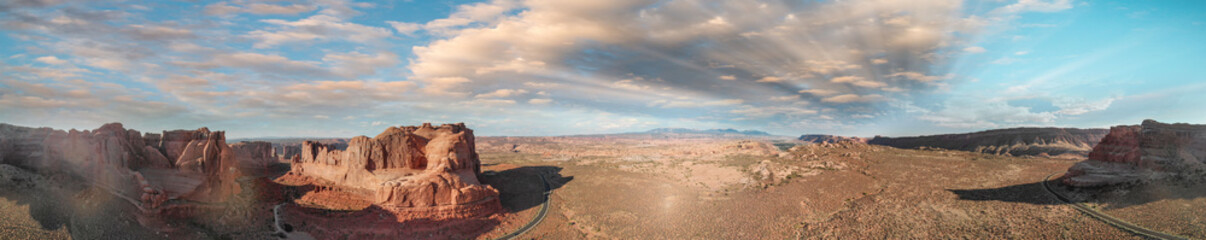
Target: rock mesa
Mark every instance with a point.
(1149, 151)
(1054, 142)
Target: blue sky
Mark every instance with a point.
(546, 67)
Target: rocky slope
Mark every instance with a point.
(414, 172)
(1055, 142)
(1149, 151)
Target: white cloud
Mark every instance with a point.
(1037, 6)
(975, 49)
(540, 101)
(695, 104)
(770, 79)
(1078, 107)
(261, 8)
(853, 98)
(405, 28)
(858, 81)
(502, 93)
(819, 92)
(52, 60)
(316, 28)
(220, 8)
(920, 77)
(728, 77)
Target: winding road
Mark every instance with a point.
(1119, 223)
(544, 210)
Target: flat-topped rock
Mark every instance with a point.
(1143, 152)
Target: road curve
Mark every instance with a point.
(1118, 223)
(544, 210)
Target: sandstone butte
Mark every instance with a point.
(195, 167)
(1144, 152)
(425, 172)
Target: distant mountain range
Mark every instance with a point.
(728, 131)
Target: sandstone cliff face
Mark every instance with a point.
(1064, 142)
(431, 171)
(194, 165)
(1138, 153)
(819, 138)
(256, 154)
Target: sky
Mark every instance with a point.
(340, 68)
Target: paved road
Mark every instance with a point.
(544, 210)
(1119, 223)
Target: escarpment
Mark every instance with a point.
(1149, 151)
(1055, 142)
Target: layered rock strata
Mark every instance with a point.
(255, 154)
(1138, 153)
(1063, 142)
(415, 172)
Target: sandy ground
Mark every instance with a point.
(657, 188)
(838, 192)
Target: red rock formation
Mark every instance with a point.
(148, 170)
(1138, 153)
(1120, 146)
(421, 172)
(254, 155)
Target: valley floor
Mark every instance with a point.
(839, 191)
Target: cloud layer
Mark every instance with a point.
(571, 66)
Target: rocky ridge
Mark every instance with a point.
(1043, 142)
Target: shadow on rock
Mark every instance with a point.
(1111, 197)
(521, 188)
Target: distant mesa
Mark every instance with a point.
(1043, 142)
(821, 138)
(728, 131)
(1149, 151)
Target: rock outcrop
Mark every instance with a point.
(420, 172)
(1149, 151)
(147, 170)
(821, 138)
(1053, 142)
(255, 154)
